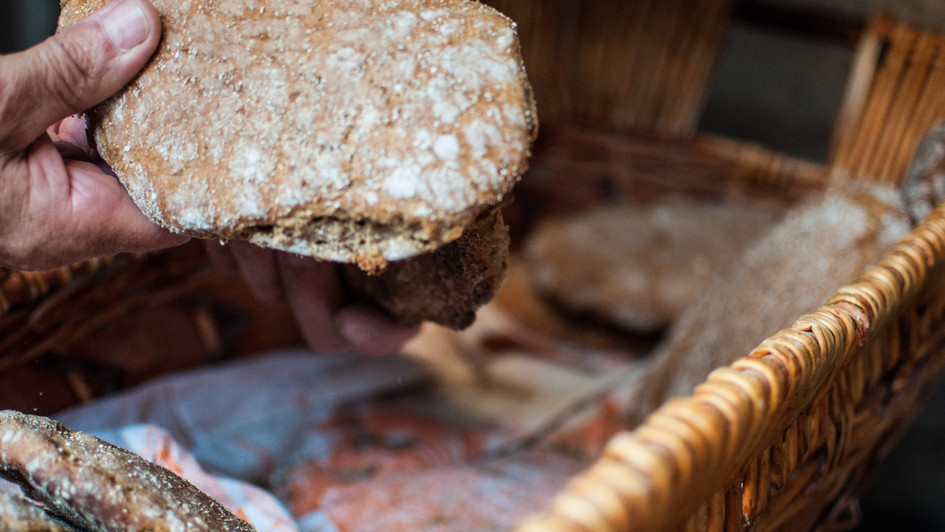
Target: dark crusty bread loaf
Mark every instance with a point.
(349, 131)
(790, 271)
(638, 266)
(444, 286)
(96, 486)
(20, 514)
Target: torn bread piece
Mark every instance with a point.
(444, 286)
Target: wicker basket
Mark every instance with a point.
(782, 439)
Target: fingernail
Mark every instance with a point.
(125, 25)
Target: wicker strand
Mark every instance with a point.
(876, 112)
(877, 135)
(20, 287)
(915, 57)
(862, 73)
(927, 106)
(711, 29)
(54, 317)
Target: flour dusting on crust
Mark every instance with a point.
(360, 131)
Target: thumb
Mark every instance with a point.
(74, 70)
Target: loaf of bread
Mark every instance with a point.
(355, 132)
(444, 286)
(96, 486)
(19, 513)
(360, 132)
(790, 271)
(638, 266)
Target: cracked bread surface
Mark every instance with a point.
(346, 130)
(19, 513)
(97, 486)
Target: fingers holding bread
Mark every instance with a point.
(359, 133)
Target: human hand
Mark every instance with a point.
(313, 290)
(57, 205)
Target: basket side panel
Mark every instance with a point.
(642, 65)
(72, 334)
(894, 96)
(854, 423)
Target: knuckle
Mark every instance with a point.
(70, 67)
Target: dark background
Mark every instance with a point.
(26, 22)
(781, 91)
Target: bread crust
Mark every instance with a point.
(791, 270)
(18, 513)
(640, 265)
(444, 286)
(349, 131)
(97, 486)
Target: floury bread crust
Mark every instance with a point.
(791, 270)
(347, 130)
(19, 513)
(641, 265)
(96, 486)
